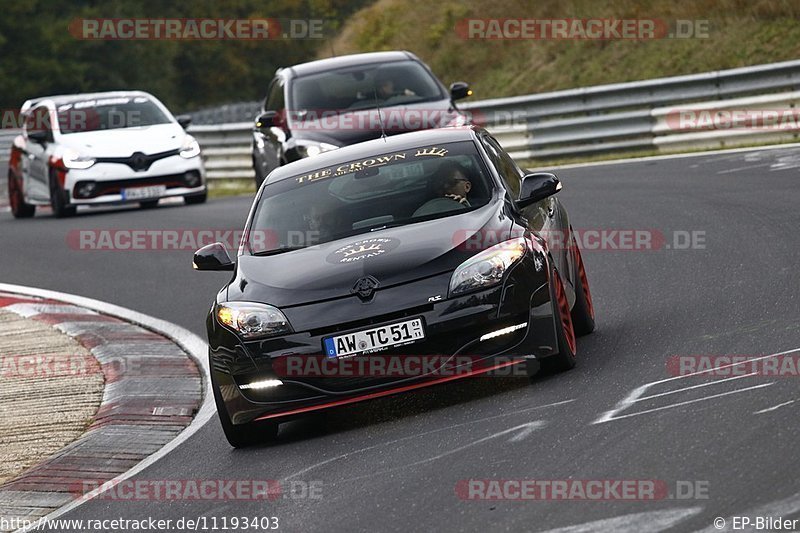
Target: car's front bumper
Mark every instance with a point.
(453, 329)
(103, 183)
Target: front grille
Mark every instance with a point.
(138, 161)
(378, 319)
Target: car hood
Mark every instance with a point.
(123, 142)
(346, 128)
(392, 256)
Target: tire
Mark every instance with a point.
(148, 204)
(242, 435)
(16, 198)
(58, 199)
(583, 310)
(196, 198)
(565, 332)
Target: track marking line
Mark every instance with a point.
(193, 345)
(780, 508)
(417, 435)
(524, 430)
(774, 407)
(634, 523)
(659, 395)
(670, 406)
(636, 394)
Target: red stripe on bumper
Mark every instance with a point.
(388, 392)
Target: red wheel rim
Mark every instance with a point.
(563, 311)
(587, 294)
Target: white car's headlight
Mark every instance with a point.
(253, 320)
(310, 148)
(73, 159)
(488, 267)
(190, 148)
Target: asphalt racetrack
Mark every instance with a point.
(723, 281)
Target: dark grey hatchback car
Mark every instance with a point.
(322, 105)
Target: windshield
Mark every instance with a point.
(390, 84)
(367, 195)
(109, 113)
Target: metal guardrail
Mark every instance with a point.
(603, 119)
(625, 116)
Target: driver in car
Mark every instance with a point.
(450, 187)
(386, 88)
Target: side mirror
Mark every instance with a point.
(212, 257)
(536, 187)
(39, 136)
(184, 120)
(459, 90)
(266, 120)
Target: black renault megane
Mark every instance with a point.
(388, 266)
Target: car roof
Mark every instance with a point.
(352, 60)
(61, 99)
(403, 141)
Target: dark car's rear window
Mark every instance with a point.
(352, 88)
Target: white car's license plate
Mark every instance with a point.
(139, 193)
(371, 340)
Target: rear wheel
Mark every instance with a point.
(16, 198)
(58, 199)
(565, 333)
(242, 435)
(583, 310)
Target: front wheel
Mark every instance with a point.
(565, 332)
(242, 435)
(58, 199)
(16, 198)
(583, 310)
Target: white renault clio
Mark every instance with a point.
(102, 148)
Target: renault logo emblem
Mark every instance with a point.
(365, 287)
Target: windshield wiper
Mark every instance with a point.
(276, 251)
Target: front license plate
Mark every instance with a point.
(371, 340)
(139, 193)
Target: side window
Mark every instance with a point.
(38, 119)
(506, 167)
(275, 100)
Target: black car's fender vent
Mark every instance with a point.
(377, 319)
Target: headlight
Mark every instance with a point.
(190, 148)
(310, 148)
(73, 159)
(252, 320)
(488, 267)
